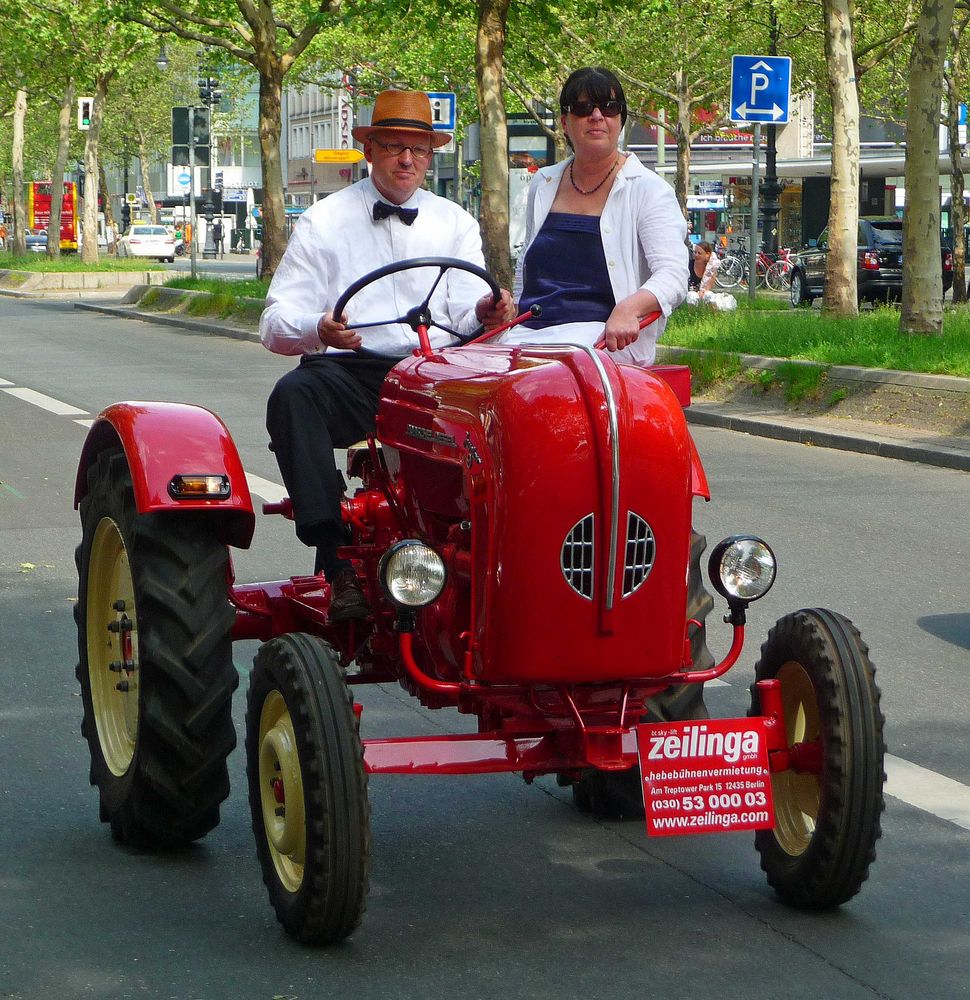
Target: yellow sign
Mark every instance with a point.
(337, 155)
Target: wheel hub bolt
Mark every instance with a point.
(119, 605)
(122, 686)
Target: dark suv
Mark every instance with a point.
(880, 274)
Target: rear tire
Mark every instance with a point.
(155, 669)
(619, 794)
(826, 825)
(308, 789)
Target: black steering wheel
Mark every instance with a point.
(420, 315)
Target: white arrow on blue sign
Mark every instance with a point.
(443, 111)
(760, 89)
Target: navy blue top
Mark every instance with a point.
(565, 272)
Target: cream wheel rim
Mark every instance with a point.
(281, 791)
(797, 796)
(112, 647)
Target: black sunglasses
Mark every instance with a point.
(583, 109)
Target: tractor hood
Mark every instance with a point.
(573, 475)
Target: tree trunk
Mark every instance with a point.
(489, 68)
(89, 231)
(958, 215)
(922, 306)
(841, 287)
(270, 124)
(682, 177)
(146, 183)
(57, 176)
(17, 155)
(110, 225)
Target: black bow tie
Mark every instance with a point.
(383, 211)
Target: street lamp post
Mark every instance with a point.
(209, 93)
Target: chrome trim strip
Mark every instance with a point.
(615, 451)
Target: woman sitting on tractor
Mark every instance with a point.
(605, 238)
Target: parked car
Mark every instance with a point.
(37, 241)
(880, 270)
(147, 241)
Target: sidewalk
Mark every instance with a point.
(908, 444)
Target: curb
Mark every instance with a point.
(942, 456)
(210, 329)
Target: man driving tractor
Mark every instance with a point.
(330, 400)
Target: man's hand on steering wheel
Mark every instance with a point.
(337, 335)
(492, 314)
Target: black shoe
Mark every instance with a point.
(347, 600)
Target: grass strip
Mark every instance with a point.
(872, 340)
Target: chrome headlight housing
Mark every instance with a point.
(412, 573)
(742, 568)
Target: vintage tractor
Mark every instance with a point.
(524, 535)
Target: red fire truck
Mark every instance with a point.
(39, 211)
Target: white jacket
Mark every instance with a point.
(643, 232)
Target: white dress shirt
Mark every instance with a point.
(643, 232)
(336, 241)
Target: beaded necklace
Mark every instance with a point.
(579, 190)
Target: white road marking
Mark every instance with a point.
(3, 381)
(46, 402)
(86, 423)
(927, 790)
(270, 492)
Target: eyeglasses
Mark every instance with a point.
(583, 109)
(418, 149)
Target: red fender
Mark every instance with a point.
(162, 440)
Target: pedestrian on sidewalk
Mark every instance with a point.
(219, 238)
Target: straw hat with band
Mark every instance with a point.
(405, 111)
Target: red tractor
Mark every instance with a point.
(524, 535)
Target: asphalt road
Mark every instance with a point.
(482, 887)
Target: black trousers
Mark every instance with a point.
(329, 401)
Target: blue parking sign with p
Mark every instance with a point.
(760, 89)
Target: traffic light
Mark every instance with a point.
(200, 136)
(125, 216)
(85, 106)
(200, 127)
(209, 89)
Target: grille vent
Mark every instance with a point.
(577, 557)
(578, 552)
(640, 552)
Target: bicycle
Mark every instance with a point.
(734, 266)
(779, 274)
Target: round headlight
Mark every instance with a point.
(412, 574)
(742, 568)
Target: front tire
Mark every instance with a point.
(826, 825)
(797, 292)
(308, 789)
(155, 668)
